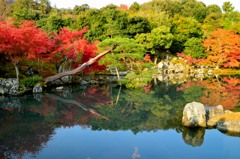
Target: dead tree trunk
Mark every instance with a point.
(80, 68)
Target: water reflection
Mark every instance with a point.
(194, 136)
(135, 154)
(27, 123)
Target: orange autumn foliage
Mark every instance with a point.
(223, 49)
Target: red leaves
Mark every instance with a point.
(147, 58)
(73, 46)
(70, 44)
(22, 41)
(27, 41)
(189, 59)
(147, 88)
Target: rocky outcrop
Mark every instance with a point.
(211, 113)
(197, 115)
(37, 88)
(229, 126)
(9, 86)
(194, 115)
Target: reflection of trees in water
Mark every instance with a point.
(223, 91)
(28, 128)
(136, 110)
(22, 133)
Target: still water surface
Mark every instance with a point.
(113, 122)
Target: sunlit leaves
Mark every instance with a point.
(223, 48)
(183, 29)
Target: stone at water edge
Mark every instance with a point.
(212, 112)
(37, 88)
(229, 126)
(194, 115)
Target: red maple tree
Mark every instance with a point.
(74, 48)
(22, 41)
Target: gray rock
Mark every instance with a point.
(37, 88)
(229, 126)
(83, 82)
(194, 115)
(9, 86)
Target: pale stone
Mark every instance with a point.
(194, 115)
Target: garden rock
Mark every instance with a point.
(229, 126)
(37, 88)
(9, 86)
(194, 115)
(212, 112)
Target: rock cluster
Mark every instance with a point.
(9, 86)
(197, 115)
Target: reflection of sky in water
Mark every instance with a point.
(79, 143)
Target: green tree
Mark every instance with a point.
(23, 10)
(134, 7)
(213, 9)
(79, 9)
(5, 8)
(45, 7)
(227, 7)
(193, 8)
(194, 48)
(115, 22)
(183, 29)
(54, 22)
(171, 7)
(212, 22)
(157, 42)
(230, 19)
(137, 25)
(126, 56)
(104, 23)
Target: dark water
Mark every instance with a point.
(113, 122)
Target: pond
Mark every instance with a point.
(111, 121)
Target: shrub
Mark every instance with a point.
(31, 81)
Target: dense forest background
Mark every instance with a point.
(35, 34)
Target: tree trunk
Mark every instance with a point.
(17, 71)
(155, 60)
(80, 68)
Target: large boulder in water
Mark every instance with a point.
(194, 115)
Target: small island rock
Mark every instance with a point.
(194, 115)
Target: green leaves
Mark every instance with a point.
(194, 48)
(183, 29)
(126, 55)
(159, 40)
